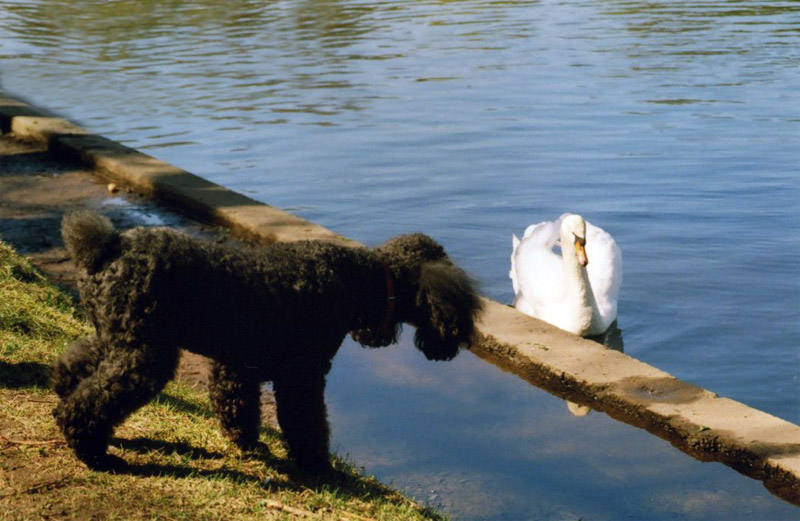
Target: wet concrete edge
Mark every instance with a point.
(696, 421)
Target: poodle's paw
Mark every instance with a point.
(243, 439)
(317, 466)
(255, 448)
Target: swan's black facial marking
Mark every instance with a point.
(579, 240)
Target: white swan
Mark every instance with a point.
(575, 291)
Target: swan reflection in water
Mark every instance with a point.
(612, 339)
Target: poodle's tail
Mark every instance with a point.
(91, 239)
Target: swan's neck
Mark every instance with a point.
(579, 289)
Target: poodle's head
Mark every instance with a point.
(430, 293)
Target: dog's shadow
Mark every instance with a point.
(187, 452)
(179, 404)
(144, 445)
(290, 476)
(348, 485)
(148, 446)
(23, 375)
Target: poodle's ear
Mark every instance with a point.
(447, 305)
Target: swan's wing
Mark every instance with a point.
(541, 233)
(604, 269)
(536, 271)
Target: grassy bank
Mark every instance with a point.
(180, 465)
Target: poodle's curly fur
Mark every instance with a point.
(278, 315)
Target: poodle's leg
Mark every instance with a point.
(124, 380)
(235, 394)
(300, 399)
(78, 362)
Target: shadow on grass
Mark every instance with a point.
(23, 375)
(181, 405)
(147, 445)
(296, 480)
(343, 483)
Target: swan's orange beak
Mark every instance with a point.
(580, 251)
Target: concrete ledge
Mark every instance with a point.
(696, 421)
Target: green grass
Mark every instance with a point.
(180, 466)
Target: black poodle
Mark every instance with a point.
(277, 315)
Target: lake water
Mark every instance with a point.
(674, 125)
